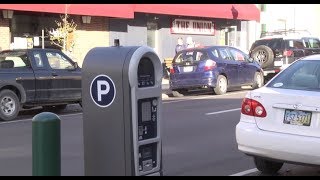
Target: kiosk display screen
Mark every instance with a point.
(146, 111)
(145, 73)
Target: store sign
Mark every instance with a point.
(186, 26)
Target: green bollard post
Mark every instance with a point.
(46, 145)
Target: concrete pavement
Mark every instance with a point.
(198, 139)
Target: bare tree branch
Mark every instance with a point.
(59, 36)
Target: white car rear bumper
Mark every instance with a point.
(287, 147)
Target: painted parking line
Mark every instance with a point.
(198, 98)
(25, 120)
(220, 112)
(246, 172)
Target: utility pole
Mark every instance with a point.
(294, 17)
(65, 27)
(42, 36)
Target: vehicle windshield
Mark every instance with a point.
(13, 59)
(302, 75)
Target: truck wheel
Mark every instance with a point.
(9, 105)
(263, 55)
(221, 86)
(266, 166)
(258, 80)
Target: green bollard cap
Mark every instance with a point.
(46, 117)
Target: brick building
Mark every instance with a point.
(155, 25)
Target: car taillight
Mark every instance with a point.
(287, 52)
(252, 107)
(172, 70)
(277, 70)
(210, 64)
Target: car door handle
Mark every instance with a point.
(54, 74)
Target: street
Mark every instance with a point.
(118, 60)
(198, 140)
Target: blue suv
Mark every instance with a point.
(215, 67)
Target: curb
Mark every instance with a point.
(165, 89)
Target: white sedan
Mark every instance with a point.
(280, 122)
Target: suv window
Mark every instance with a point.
(311, 42)
(294, 43)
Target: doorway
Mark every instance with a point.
(231, 36)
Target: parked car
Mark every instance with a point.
(37, 77)
(280, 121)
(214, 67)
(278, 49)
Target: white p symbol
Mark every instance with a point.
(99, 88)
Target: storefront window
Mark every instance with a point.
(27, 26)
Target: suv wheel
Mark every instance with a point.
(263, 55)
(267, 166)
(9, 105)
(221, 86)
(258, 80)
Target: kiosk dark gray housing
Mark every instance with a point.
(121, 89)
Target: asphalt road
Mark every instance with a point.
(198, 140)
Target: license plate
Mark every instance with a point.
(278, 63)
(188, 69)
(295, 117)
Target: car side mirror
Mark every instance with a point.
(73, 67)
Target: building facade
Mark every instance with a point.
(157, 26)
(156, 31)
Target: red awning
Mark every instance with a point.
(108, 10)
(225, 11)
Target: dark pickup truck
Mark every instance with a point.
(37, 77)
